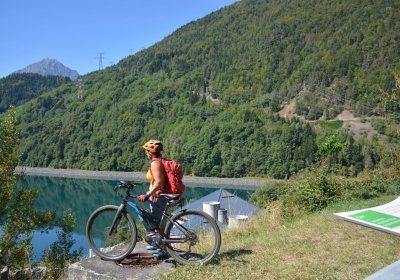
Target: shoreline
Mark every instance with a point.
(250, 183)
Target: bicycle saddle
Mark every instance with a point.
(170, 196)
(173, 199)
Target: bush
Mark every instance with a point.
(314, 190)
(366, 188)
(270, 192)
(374, 183)
(308, 192)
(379, 125)
(313, 193)
(331, 124)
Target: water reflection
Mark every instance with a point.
(83, 196)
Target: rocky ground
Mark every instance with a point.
(356, 125)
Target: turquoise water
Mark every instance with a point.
(83, 196)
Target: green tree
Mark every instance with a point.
(57, 257)
(17, 212)
(18, 215)
(8, 160)
(329, 149)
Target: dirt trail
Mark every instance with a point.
(356, 125)
(288, 111)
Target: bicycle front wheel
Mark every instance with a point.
(111, 235)
(194, 237)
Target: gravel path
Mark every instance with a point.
(251, 183)
(356, 125)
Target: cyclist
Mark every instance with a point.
(158, 181)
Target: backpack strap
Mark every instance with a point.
(163, 188)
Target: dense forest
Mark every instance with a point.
(19, 88)
(212, 89)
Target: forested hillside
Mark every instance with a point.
(210, 91)
(16, 89)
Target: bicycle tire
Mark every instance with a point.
(205, 229)
(120, 243)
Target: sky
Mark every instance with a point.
(75, 32)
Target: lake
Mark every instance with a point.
(83, 196)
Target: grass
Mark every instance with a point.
(331, 124)
(315, 246)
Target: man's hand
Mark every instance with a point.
(143, 197)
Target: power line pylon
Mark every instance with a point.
(100, 58)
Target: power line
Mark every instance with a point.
(100, 58)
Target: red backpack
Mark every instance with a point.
(174, 171)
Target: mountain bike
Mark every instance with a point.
(189, 236)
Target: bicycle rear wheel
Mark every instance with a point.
(111, 245)
(197, 237)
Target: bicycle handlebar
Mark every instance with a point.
(127, 185)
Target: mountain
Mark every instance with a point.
(18, 88)
(50, 67)
(212, 90)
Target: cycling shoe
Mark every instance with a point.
(160, 255)
(151, 247)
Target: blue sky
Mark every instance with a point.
(75, 31)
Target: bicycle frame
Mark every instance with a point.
(146, 220)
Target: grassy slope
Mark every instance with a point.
(316, 246)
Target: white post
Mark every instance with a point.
(211, 208)
(223, 216)
(236, 220)
(91, 254)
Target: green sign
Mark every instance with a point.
(377, 218)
